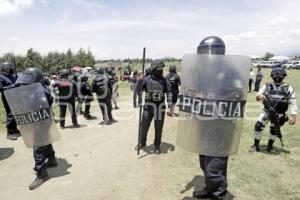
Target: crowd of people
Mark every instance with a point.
(151, 90)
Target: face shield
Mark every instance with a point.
(26, 78)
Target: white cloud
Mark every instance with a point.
(8, 7)
(45, 2)
(278, 21)
(14, 38)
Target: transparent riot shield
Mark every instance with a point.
(33, 115)
(212, 103)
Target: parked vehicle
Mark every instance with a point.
(291, 64)
(296, 66)
(262, 64)
(274, 64)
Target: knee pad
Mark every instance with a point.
(259, 126)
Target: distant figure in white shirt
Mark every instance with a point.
(251, 78)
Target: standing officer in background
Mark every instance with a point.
(85, 95)
(103, 88)
(259, 76)
(7, 78)
(67, 93)
(156, 88)
(134, 81)
(113, 78)
(212, 107)
(174, 80)
(280, 96)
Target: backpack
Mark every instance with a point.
(65, 88)
(173, 82)
(100, 85)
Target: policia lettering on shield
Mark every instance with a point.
(212, 104)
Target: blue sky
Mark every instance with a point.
(119, 29)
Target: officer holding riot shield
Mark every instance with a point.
(8, 78)
(280, 96)
(174, 81)
(212, 107)
(156, 89)
(103, 88)
(34, 116)
(67, 93)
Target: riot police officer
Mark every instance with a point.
(156, 89)
(85, 95)
(281, 96)
(113, 78)
(214, 168)
(103, 88)
(44, 156)
(7, 78)
(212, 106)
(174, 81)
(67, 93)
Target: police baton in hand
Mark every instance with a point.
(141, 107)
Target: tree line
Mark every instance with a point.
(52, 62)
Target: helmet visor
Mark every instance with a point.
(26, 78)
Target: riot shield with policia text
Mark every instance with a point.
(33, 114)
(212, 103)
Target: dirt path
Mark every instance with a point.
(99, 162)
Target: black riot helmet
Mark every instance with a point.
(84, 78)
(99, 70)
(64, 73)
(156, 68)
(31, 75)
(278, 74)
(109, 71)
(172, 69)
(211, 45)
(7, 68)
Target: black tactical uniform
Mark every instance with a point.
(86, 95)
(134, 81)
(67, 93)
(113, 78)
(44, 156)
(7, 78)
(156, 87)
(214, 168)
(174, 81)
(103, 88)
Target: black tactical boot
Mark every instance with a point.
(111, 121)
(270, 148)
(201, 194)
(51, 162)
(157, 150)
(88, 117)
(11, 136)
(76, 126)
(17, 133)
(41, 178)
(255, 146)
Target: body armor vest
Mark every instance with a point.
(279, 96)
(155, 90)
